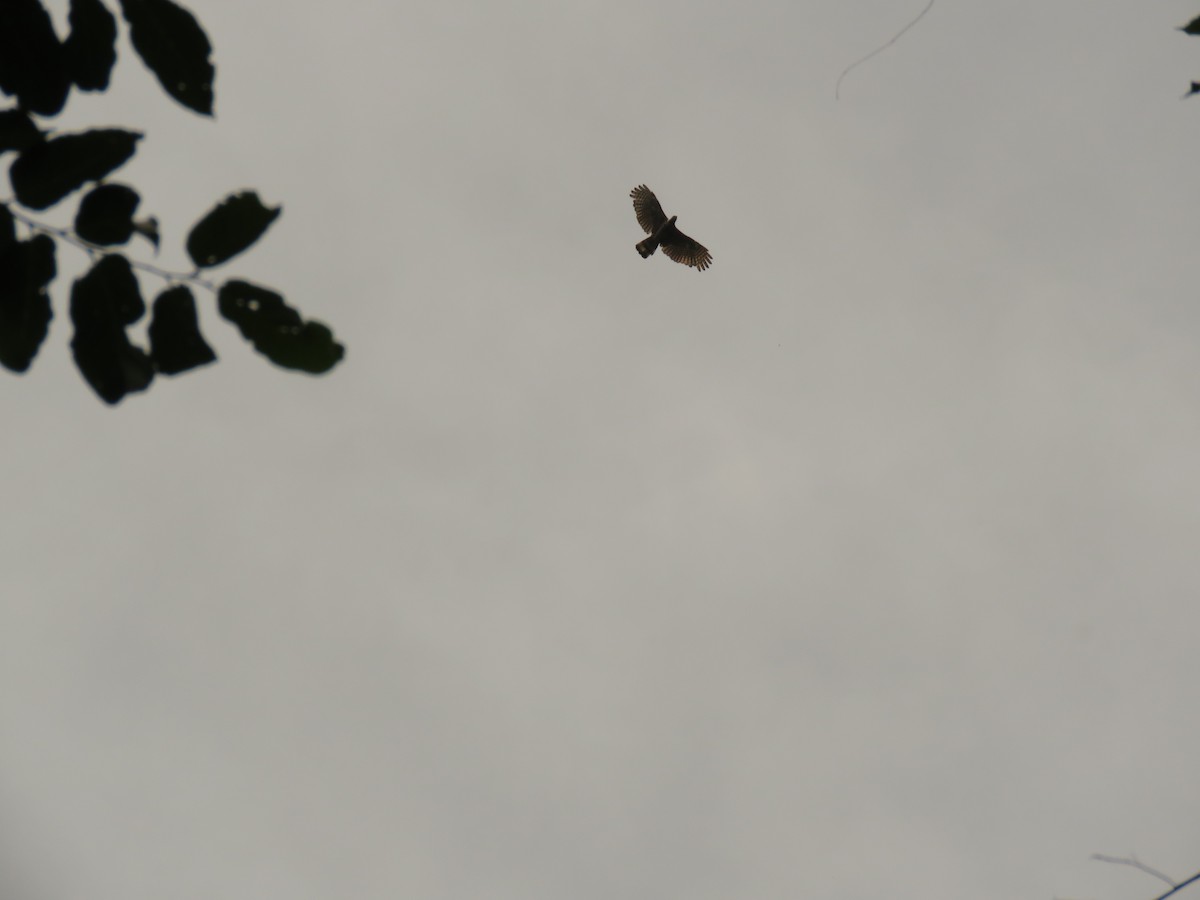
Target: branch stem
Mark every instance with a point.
(94, 249)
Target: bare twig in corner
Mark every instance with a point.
(1178, 887)
(1138, 864)
(1132, 860)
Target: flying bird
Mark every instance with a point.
(663, 233)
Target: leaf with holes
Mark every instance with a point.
(276, 330)
(175, 48)
(48, 171)
(232, 226)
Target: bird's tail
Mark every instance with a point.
(647, 247)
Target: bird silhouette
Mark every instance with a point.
(663, 233)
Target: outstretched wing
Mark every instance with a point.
(645, 206)
(681, 248)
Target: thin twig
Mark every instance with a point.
(1138, 864)
(95, 249)
(1178, 887)
(854, 65)
(1132, 860)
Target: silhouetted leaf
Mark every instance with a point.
(1195, 89)
(17, 130)
(103, 303)
(8, 229)
(91, 48)
(45, 173)
(148, 228)
(26, 270)
(111, 285)
(229, 228)
(176, 344)
(106, 214)
(1192, 27)
(173, 45)
(32, 67)
(276, 330)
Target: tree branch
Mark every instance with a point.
(1178, 887)
(93, 249)
(1132, 860)
(837, 88)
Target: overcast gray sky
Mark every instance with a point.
(862, 564)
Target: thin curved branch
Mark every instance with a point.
(1132, 860)
(1178, 887)
(854, 65)
(1138, 864)
(94, 249)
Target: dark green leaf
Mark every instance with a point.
(276, 330)
(26, 270)
(45, 173)
(17, 131)
(91, 48)
(32, 67)
(174, 47)
(106, 214)
(229, 228)
(1192, 27)
(103, 303)
(176, 344)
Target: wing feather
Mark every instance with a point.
(686, 250)
(646, 207)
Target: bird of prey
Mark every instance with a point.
(663, 233)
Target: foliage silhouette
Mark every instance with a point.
(38, 71)
(1192, 28)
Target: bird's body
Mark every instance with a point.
(663, 233)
